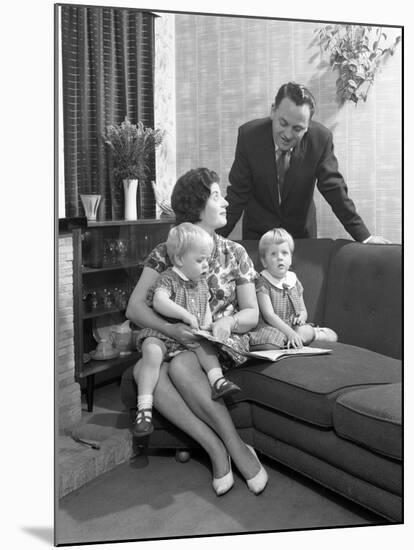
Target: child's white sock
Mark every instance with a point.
(214, 374)
(145, 401)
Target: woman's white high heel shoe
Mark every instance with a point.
(257, 483)
(222, 485)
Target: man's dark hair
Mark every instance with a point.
(191, 193)
(299, 94)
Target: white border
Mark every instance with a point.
(27, 269)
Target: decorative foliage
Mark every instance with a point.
(132, 146)
(356, 51)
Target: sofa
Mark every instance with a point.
(335, 418)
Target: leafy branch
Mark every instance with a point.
(132, 147)
(356, 51)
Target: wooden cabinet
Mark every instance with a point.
(107, 261)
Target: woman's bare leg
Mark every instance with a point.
(170, 404)
(192, 384)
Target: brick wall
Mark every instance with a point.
(68, 407)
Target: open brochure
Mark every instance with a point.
(269, 355)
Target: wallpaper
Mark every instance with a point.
(228, 70)
(164, 103)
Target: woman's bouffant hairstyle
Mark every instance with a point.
(185, 237)
(191, 193)
(275, 236)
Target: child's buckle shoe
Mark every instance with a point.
(143, 425)
(222, 387)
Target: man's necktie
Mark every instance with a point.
(282, 164)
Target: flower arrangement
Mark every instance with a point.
(357, 52)
(132, 146)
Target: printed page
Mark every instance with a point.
(269, 355)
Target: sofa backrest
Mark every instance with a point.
(364, 296)
(311, 261)
(354, 289)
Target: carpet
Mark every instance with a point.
(157, 497)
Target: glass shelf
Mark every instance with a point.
(113, 267)
(94, 367)
(99, 312)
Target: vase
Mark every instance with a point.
(90, 205)
(130, 196)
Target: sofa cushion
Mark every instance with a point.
(311, 261)
(371, 417)
(364, 297)
(307, 387)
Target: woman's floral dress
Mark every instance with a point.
(229, 267)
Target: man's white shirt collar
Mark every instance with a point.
(289, 280)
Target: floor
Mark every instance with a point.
(161, 498)
(155, 497)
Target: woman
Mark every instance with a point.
(183, 394)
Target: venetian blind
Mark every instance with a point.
(107, 75)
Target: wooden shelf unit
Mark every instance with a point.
(92, 272)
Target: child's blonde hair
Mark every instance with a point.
(275, 236)
(185, 237)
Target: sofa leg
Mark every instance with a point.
(182, 455)
(140, 446)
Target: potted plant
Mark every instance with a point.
(132, 146)
(356, 51)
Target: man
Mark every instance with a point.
(278, 160)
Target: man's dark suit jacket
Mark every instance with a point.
(253, 184)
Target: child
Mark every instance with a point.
(180, 293)
(280, 298)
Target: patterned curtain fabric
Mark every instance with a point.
(107, 67)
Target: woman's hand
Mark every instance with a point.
(183, 334)
(294, 340)
(222, 328)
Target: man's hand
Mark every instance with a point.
(376, 239)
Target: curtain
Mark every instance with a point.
(107, 75)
